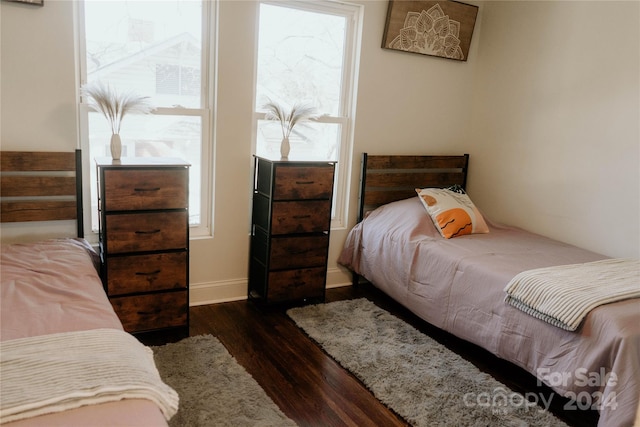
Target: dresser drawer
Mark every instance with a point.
(294, 182)
(301, 217)
(298, 252)
(296, 284)
(145, 273)
(152, 311)
(289, 252)
(151, 231)
(137, 189)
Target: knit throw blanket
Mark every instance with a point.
(54, 373)
(564, 295)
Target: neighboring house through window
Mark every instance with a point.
(159, 49)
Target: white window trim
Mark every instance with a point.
(348, 96)
(207, 112)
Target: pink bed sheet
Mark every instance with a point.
(52, 286)
(458, 285)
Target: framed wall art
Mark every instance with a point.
(435, 28)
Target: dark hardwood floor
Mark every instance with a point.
(310, 387)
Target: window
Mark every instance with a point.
(176, 80)
(307, 54)
(159, 49)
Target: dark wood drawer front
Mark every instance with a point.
(296, 284)
(154, 231)
(152, 311)
(298, 252)
(136, 189)
(301, 217)
(294, 183)
(145, 273)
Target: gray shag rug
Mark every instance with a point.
(418, 378)
(214, 389)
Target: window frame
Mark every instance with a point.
(206, 112)
(348, 93)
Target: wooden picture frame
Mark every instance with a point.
(435, 28)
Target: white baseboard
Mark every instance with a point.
(217, 292)
(337, 277)
(236, 290)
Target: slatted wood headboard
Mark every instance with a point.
(385, 179)
(41, 186)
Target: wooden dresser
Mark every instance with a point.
(144, 242)
(290, 229)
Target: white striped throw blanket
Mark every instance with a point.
(564, 295)
(53, 373)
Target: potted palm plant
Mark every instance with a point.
(114, 106)
(288, 119)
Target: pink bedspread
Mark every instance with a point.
(458, 285)
(52, 286)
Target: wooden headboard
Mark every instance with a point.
(385, 179)
(41, 186)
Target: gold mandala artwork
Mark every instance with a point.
(430, 32)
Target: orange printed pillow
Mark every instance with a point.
(453, 213)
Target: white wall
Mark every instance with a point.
(219, 265)
(555, 140)
(37, 91)
(38, 77)
(407, 103)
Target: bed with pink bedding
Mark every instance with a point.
(52, 287)
(65, 358)
(458, 284)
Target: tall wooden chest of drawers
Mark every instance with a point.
(290, 229)
(144, 242)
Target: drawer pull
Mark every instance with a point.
(147, 232)
(147, 189)
(305, 182)
(151, 273)
(148, 313)
(301, 216)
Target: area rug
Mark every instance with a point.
(418, 378)
(214, 389)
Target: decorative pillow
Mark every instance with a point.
(452, 212)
